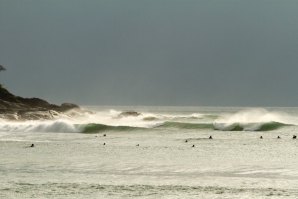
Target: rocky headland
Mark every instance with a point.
(14, 107)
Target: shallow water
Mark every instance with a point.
(234, 164)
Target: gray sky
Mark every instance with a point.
(153, 52)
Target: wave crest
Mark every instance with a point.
(247, 120)
(252, 120)
(58, 126)
(267, 126)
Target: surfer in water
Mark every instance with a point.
(210, 137)
(294, 136)
(261, 137)
(32, 145)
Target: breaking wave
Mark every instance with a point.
(254, 120)
(67, 127)
(268, 126)
(247, 120)
(62, 127)
(58, 126)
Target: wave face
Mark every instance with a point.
(180, 125)
(126, 121)
(97, 128)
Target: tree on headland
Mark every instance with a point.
(2, 68)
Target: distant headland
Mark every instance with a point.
(14, 107)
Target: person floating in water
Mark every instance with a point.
(193, 145)
(261, 137)
(186, 140)
(104, 143)
(104, 135)
(278, 137)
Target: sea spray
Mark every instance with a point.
(253, 120)
(60, 126)
(113, 120)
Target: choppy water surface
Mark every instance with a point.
(149, 153)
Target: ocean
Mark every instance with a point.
(152, 152)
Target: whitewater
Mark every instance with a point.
(152, 152)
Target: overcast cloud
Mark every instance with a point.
(154, 52)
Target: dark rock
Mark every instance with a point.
(129, 113)
(18, 108)
(68, 106)
(5, 95)
(35, 115)
(33, 102)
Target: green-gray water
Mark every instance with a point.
(150, 155)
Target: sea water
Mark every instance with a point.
(152, 152)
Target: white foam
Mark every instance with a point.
(75, 124)
(252, 119)
(40, 126)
